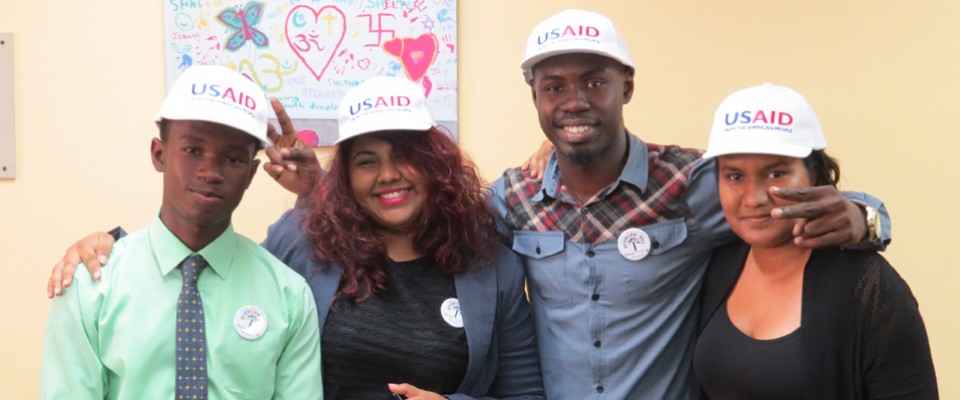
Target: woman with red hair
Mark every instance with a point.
(342, 227)
(401, 251)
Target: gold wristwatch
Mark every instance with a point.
(874, 225)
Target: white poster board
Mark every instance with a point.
(309, 53)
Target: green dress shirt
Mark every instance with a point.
(114, 338)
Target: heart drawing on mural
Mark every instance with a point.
(416, 54)
(364, 64)
(315, 35)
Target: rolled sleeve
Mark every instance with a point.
(885, 228)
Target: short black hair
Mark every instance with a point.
(164, 126)
(627, 70)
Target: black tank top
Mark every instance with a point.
(731, 365)
(395, 337)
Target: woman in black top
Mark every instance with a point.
(783, 321)
(414, 291)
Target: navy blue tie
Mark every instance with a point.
(191, 337)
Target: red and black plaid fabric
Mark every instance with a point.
(614, 209)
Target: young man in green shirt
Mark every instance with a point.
(191, 310)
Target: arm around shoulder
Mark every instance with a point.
(496, 203)
(286, 240)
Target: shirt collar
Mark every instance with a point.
(169, 251)
(634, 171)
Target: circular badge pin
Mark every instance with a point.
(250, 322)
(450, 311)
(634, 244)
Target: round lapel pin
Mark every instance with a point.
(634, 244)
(250, 322)
(450, 311)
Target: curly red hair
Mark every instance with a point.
(454, 227)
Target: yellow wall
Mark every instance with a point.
(883, 76)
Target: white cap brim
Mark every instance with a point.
(753, 147)
(526, 67)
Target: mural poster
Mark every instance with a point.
(309, 53)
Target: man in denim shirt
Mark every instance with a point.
(617, 236)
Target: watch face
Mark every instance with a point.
(873, 224)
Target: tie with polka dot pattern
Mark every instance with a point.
(191, 337)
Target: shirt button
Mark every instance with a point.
(596, 344)
(595, 297)
(599, 389)
(590, 253)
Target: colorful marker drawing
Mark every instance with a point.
(185, 60)
(308, 53)
(309, 137)
(415, 54)
(315, 35)
(243, 21)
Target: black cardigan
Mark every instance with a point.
(862, 336)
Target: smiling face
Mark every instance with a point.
(385, 185)
(579, 99)
(206, 169)
(744, 183)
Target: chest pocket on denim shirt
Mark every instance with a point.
(650, 277)
(544, 259)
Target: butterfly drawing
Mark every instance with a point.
(243, 21)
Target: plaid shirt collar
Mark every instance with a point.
(634, 172)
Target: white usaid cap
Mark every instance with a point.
(218, 94)
(383, 103)
(574, 31)
(765, 119)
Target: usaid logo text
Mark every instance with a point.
(568, 32)
(379, 102)
(237, 97)
(759, 117)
